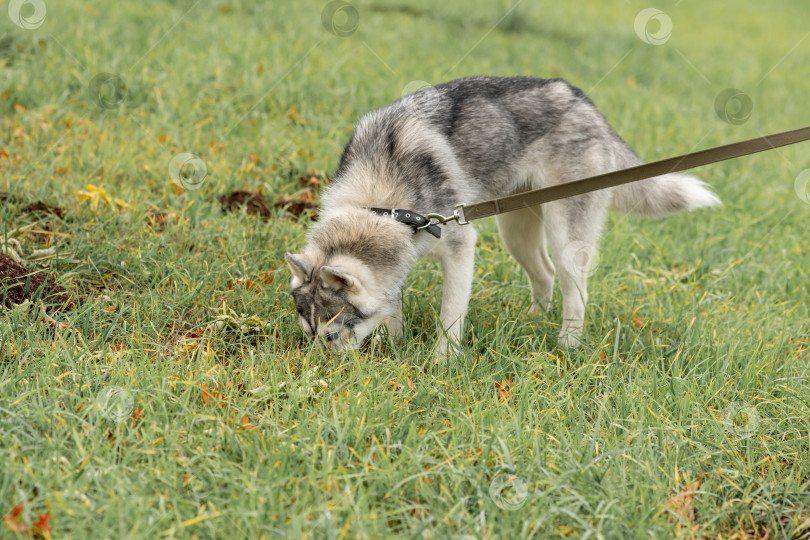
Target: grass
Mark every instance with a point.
(686, 413)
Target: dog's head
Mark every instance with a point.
(340, 302)
(350, 276)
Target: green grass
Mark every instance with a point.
(256, 434)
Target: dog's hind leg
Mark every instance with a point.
(525, 238)
(573, 227)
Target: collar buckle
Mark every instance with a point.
(408, 217)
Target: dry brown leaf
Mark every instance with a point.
(504, 389)
(14, 521)
(682, 505)
(246, 423)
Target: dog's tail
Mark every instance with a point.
(660, 195)
(664, 195)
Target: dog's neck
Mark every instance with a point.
(388, 247)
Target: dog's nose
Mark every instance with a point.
(330, 339)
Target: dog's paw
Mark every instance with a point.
(540, 308)
(570, 340)
(445, 350)
(393, 324)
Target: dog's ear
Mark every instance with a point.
(299, 265)
(338, 279)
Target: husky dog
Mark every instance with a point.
(467, 141)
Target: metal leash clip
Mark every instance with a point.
(458, 217)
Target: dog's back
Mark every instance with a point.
(471, 139)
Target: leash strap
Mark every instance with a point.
(463, 214)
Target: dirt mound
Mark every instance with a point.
(254, 203)
(297, 206)
(45, 208)
(157, 219)
(18, 284)
(38, 207)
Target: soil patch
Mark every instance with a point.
(44, 208)
(18, 283)
(254, 203)
(38, 207)
(297, 206)
(157, 219)
(312, 181)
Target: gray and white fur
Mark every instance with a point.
(468, 140)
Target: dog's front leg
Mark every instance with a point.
(458, 263)
(394, 322)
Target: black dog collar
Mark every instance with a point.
(417, 221)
